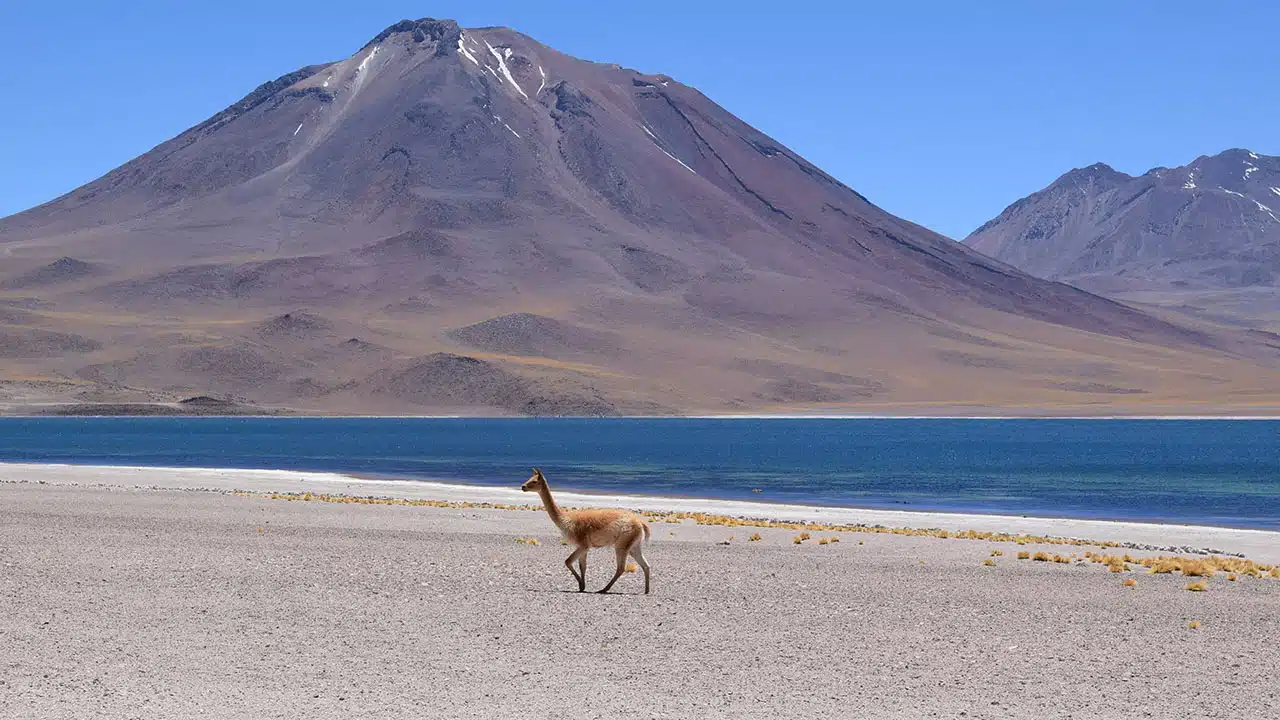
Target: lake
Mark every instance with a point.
(1214, 472)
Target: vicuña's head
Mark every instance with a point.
(535, 483)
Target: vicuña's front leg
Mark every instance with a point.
(579, 556)
(622, 567)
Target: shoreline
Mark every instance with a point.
(1257, 544)
(462, 491)
(285, 415)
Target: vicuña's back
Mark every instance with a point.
(586, 529)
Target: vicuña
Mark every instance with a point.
(586, 529)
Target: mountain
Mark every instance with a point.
(1206, 233)
(469, 221)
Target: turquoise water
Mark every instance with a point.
(1217, 472)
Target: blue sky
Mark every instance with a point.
(941, 112)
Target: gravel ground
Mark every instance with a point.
(127, 603)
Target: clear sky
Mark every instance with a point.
(941, 112)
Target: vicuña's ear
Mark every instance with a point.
(537, 472)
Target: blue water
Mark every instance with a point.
(1216, 472)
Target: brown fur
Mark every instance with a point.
(586, 529)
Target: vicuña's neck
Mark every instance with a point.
(550, 504)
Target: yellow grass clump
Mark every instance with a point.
(1130, 582)
(800, 538)
(997, 553)
(1198, 586)
(1197, 568)
(528, 541)
(1024, 555)
(1193, 624)
(1231, 577)
(989, 562)
(1061, 559)
(631, 567)
(1041, 557)
(754, 537)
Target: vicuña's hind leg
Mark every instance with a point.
(623, 547)
(637, 552)
(579, 556)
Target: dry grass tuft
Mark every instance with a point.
(631, 567)
(1198, 586)
(1197, 568)
(1062, 559)
(755, 537)
(528, 541)
(824, 541)
(1024, 555)
(1130, 582)
(1232, 577)
(997, 553)
(1041, 557)
(800, 538)
(1193, 624)
(989, 562)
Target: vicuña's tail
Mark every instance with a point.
(645, 525)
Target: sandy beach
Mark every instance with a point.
(161, 594)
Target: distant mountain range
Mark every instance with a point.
(1207, 232)
(465, 220)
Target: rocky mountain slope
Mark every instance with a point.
(465, 220)
(1207, 232)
